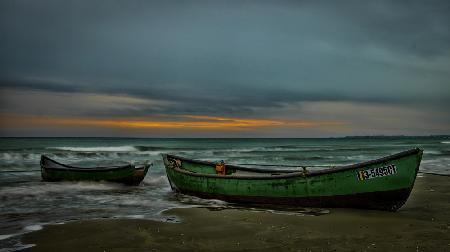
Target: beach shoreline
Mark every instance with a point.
(423, 224)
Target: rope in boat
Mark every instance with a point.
(297, 166)
(306, 166)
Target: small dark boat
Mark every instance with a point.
(52, 170)
(383, 184)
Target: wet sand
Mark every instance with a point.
(423, 224)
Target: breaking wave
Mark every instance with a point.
(126, 148)
(63, 187)
(160, 148)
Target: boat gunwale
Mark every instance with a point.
(83, 169)
(143, 167)
(288, 173)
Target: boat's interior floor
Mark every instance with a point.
(260, 174)
(55, 166)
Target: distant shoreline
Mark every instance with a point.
(188, 138)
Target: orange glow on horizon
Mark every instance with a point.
(189, 122)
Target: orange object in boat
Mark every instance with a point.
(220, 168)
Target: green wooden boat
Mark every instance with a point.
(383, 184)
(52, 170)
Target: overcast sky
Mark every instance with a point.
(224, 68)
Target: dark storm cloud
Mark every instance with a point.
(414, 27)
(223, 102)
(38, 84)
(228, 57)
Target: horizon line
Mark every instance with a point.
(325, 137)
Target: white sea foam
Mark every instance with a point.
(126, 148)
(445, 142)
(156, 180)
(135, 216)
(34, 227)
(44, 188)
(13, 157)
(151, 153)
(3, 237)
(196, 201)
(432, 152)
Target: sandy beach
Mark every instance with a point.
(423, 224)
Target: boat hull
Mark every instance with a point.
(53, 171)
(383, 184)
(385, 200)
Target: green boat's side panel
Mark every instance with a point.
(198, 168)
(345, 182)
(119, 174)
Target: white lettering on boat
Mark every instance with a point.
(377, 172)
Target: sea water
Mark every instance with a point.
(27, 203)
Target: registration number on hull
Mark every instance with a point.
(377, 172)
